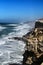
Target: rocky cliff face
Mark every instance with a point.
(34, 46)
(38, 25)
(35, 37)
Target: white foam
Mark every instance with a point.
(1, 53)
(2, 42)
(6, 62)
(23, 26)
(16, 47)
(20, 30)
(12, 24)
(1, 28)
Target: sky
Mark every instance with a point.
(21, 9)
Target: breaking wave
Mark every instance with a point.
(11, 51)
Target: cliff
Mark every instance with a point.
(34, 53)
(38, 25)
(34, 45)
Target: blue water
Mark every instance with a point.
(11, 51)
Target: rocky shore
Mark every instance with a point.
(34, 45)
(31, 59)
(34, 52)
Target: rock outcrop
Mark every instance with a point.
(34, 45)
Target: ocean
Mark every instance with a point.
(11, 51)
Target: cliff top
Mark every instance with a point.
(40, 20)
(39, 23)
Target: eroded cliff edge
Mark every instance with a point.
(34, 45)
(34, 53)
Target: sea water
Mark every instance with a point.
(11, 51)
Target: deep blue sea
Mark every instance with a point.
(11, 51)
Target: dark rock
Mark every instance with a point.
(38, 25)
(15, 64)
(28, 54)
(38, 61)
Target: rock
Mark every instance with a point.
(38, 61)
(29, 57)
(35, 38)
(38, 25)
(40, 20)
(14, 64)
(42, 63)
(34, 45)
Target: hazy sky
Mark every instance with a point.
(26, 9)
